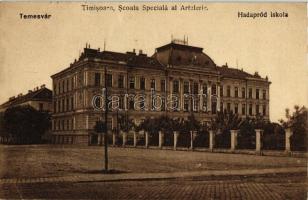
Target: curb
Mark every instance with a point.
(157, 176)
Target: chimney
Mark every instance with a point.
(140, 51)
(29, 91)
(134, 50)
(43, 86)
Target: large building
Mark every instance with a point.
(175, 72)
(39, 98)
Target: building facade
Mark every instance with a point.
(176, 81)
(39, 98)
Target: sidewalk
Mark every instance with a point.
(155, 176)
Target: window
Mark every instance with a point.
(59, 106)
(163, 85)
(250, 93)
(67, 124)
(257, 109)
(97, 102)
(63, 105)
(72, 83)
(196, 87)
(41, 107)
(175, 104)
(55, 106)
(55, 88)
(186, 105)
(264, 94)
(228, 107)
(196, 105)
(236, 91)
(175, 86)
(228, 91)
(221, 106)
(63, 86)
(204, 105)
(236, 108)
(67, 104)
(59, 88)
(214, 92)
(250, 109)
(204, 88)
(221, 91)
(121, 102)
(142, 83)
(121, 81)
(72, 103)
(163, 104)
(153, 84)
(132, 82)
(243, 109)
(257, 93)
(109, 80)
(67, 85)
(141, 103)
(62, 124)
(131, 104)
(186, 87)
(214, 107)
(264, 110)
(243, 93)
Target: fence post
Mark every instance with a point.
(146, 139)
(259, 133)
(175, 139)
(191, 140)
(234, 134)
(161, 139)
(113, 139)
(288, 135)
(212, 140)
(135, 138)
(124, 135)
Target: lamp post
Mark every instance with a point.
(106, 121)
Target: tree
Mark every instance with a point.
(222, 124)
(297, 121)
(100, 127)
(25, 124)
(150, 125)
(246, 134)
(192, 124)
(273, 136)
(126, 124)
(225, 121)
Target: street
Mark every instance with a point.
(66, 172)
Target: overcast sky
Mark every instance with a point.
(33, 50)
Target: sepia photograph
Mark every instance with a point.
(153, 100)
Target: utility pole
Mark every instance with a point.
(106, 121)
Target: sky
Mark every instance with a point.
(34, 49)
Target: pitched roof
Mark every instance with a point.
(183, 54)
(170, 54)
(233, 73)
(228, 72)
(42, 93)
(131, 58)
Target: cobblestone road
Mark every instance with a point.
(277, 187)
